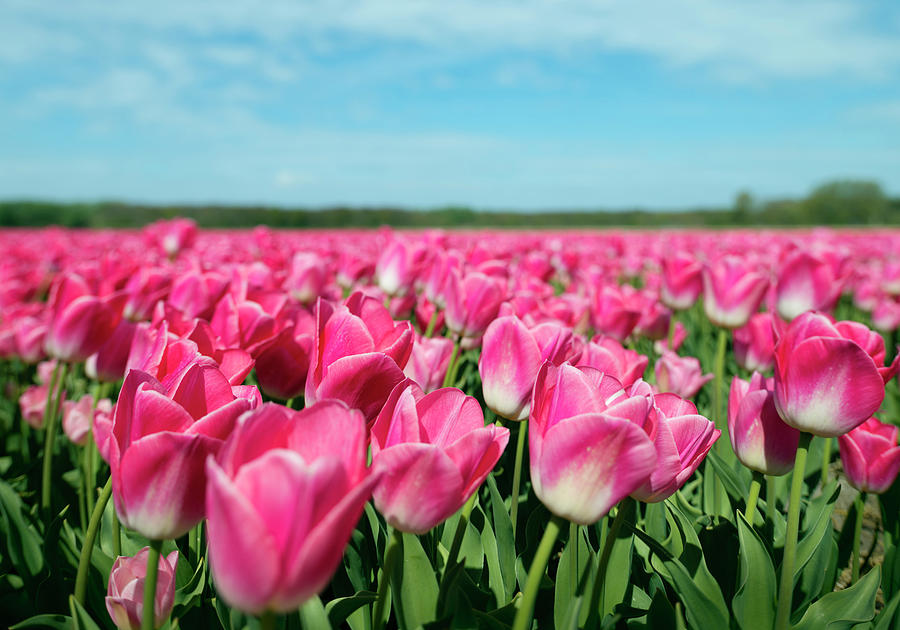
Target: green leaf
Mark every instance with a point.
(817, 524)
(82, 620)
(754, 601)
(734, 485)
(618, 572)
(54, 622)
(187, 595)
(887, 618)
(566, 600)
(339, 609)
(491, 556)
(506, 547)
(313, 615)
(418, 593)
(841, 610)
(22, 540)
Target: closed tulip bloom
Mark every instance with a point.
(29, 334)
(588, 448)
(760, 438)
(682, 438)
(682, 281)
(678, 336)
(33, 403)
(732, 291)
(870, 456)
(398, 266)
(614, 313)
(158, 441)
(680, 375)
(80, 322)
(359, 353)
(284, 495)
(511, 356)
(473, 301)
(109, 363)
(308, 277)
(826, 383)
(754, 343)
(432, 451)
(125, 593)
(429, 361)
(805, 283)
(78, 417)
(282, 364)
(610, 357)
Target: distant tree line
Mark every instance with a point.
(842, 202)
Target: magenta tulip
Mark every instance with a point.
(81, 322)
(587, 446)
(826, 383)
(283, 497)
(473, 301)
(732, 291)
(760, 438)
(871, 456)
(680, 375)
(33, 403)
(610, 357)
(805, 283)
(681, 281)
(754, 343)
(429, 361)
(125, 593)
(78, 417)
(433, 451)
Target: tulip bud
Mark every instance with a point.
(125, 594)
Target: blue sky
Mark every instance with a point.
(522, 105)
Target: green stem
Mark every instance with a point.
(525, 614)
(90, 535)
(826, 459)
(753, 497)
(430, 329)
(786, 586)
(625, 507)
(461, 526)
(116, 535)
(390, 560)
(148, 622)
(671, 343)
(267, 620)
(573, 559)
(51, 414)
(517, 476)
(860, 504)
(451, 365)
(770, 498)
(718, 371)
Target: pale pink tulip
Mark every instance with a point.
(754, 343)
(610, 357)
(125, 593)
(429, 361)
(732, 291)
(805, 283)
(760, 438)
(680, 375)
(870, 456)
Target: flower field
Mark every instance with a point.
(493, 429)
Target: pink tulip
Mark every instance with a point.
(511, 356)
(196, 293)
(681, 281)
(732, 291)
(158, 440)
(615, 313)
(473, 302)
(30, 334)
(398, 266)
(176, 235)
(108, 364)
(828, 377)
(610, 357)
(588, 448)
(760, 438)
(805, 283)
(654, 321)
(754, 343)
(870, 456)
(886, 315)
(33, 404)
(78, 417)
(678, 337)
(308, 277)
(429, 361)
(80, 321)
(282, 365)
(358, 354)
(125, 594)
(680, 375)
(144, 289)
(433, 452)
(283, 497)
(682, 438)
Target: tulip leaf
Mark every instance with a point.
(618, 572)
(887, 618)
(418, 592)
(754, 601)
(313, 616)
(506, 547)
(189, 594)
(733, 484)
(841, 610)
(53, 622)
(339, 609)
(817, 524)
(23, 543)
(568, 596)
(82, 620)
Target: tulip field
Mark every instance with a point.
(436, 429)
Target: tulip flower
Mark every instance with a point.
(473, 302)
(680, 375)
(33, 404)
(732, 291)
(125, 593)
(433, 451)
(614, 313)
(358, 354)
(511, 356)
(80, 321)
(158, 441)
(429, 361)
(109, 363)
(871, 456)
(679, 334)
(588, 448)
(759, 437)
(682, 438)
(754, 343)
(398, 266)
(29, 334)
(282, 364)
(610, 357)
(78, 416)
(308, 277)
(805, 283)
(829, 377)
(681, 281)
(284, 495)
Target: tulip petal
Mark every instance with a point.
(363, 381)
